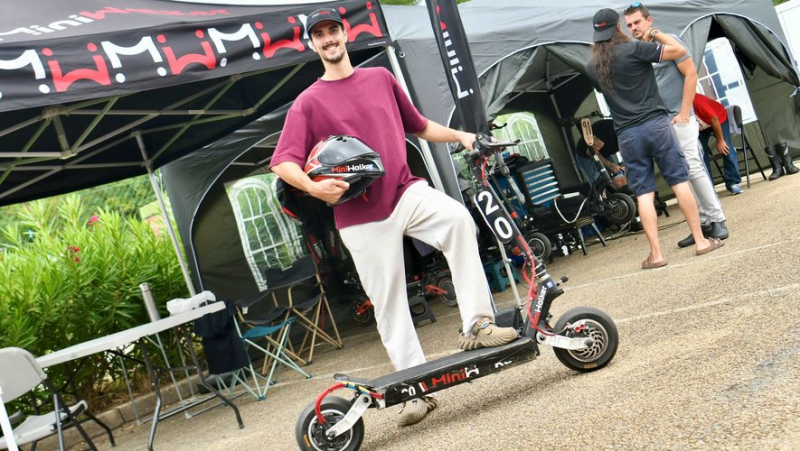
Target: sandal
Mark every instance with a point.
(648, 263)
(715, 244)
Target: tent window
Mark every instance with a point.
(720, 78)
(268, 237)
(522, 126)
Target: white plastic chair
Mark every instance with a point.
(20, 374)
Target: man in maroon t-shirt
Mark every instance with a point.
(370, 105)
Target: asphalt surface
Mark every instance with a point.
(708, 357)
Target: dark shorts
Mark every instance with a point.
(651, 140)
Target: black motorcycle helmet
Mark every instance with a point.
(345, 158)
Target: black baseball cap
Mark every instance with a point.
(321, 15)
(604, 23)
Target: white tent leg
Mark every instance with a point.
(173, 237)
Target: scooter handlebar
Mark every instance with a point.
(485, 145)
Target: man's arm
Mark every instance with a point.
(438, 133)
(686, 67)
(673, 50)
(722, 146)
(328, 190)
(608, 163)
(597, 146)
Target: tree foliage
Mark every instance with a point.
(76, 277)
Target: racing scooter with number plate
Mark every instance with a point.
(584, 338)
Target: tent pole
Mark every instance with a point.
(175, 245)
(567, 137)
(424, 147)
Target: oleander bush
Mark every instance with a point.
(74, 275)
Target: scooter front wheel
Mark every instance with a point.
(310, 434)
(600, 328)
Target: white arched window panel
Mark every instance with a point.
(522, 126)
(269, 238)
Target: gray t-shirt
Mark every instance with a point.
(635, 97)
(670, 81)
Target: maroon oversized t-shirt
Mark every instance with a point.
(371, 106)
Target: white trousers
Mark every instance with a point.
(434, 218)
(708, 204)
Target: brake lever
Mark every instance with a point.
(484, 142)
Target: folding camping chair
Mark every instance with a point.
(21, 374)
(299, 288)
(272, 324)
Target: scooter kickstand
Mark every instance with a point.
(360, 406)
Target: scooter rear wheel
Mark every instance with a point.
(449, 297)
(622, 209)
(603, 332)
(363, 314)
(540, 245)
(310, 434)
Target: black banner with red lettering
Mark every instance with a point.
(457, 59)
(84, 49)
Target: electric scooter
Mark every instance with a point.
(584, 338)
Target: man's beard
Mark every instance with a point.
(333, 59)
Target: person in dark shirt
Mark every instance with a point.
(622, 70)
(677, 81)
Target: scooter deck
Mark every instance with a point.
(448, 371)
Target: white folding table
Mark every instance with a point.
(137, 335)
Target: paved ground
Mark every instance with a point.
(708, 357)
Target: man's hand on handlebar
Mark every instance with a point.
(486, 144)
(467, 139)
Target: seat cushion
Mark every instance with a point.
(37, 427)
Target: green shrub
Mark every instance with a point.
(77, 278)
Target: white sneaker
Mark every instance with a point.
(415, 410)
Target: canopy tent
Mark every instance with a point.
(530, 57)
(106, 90)
(103, 90)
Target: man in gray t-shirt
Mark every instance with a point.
(677, 81)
